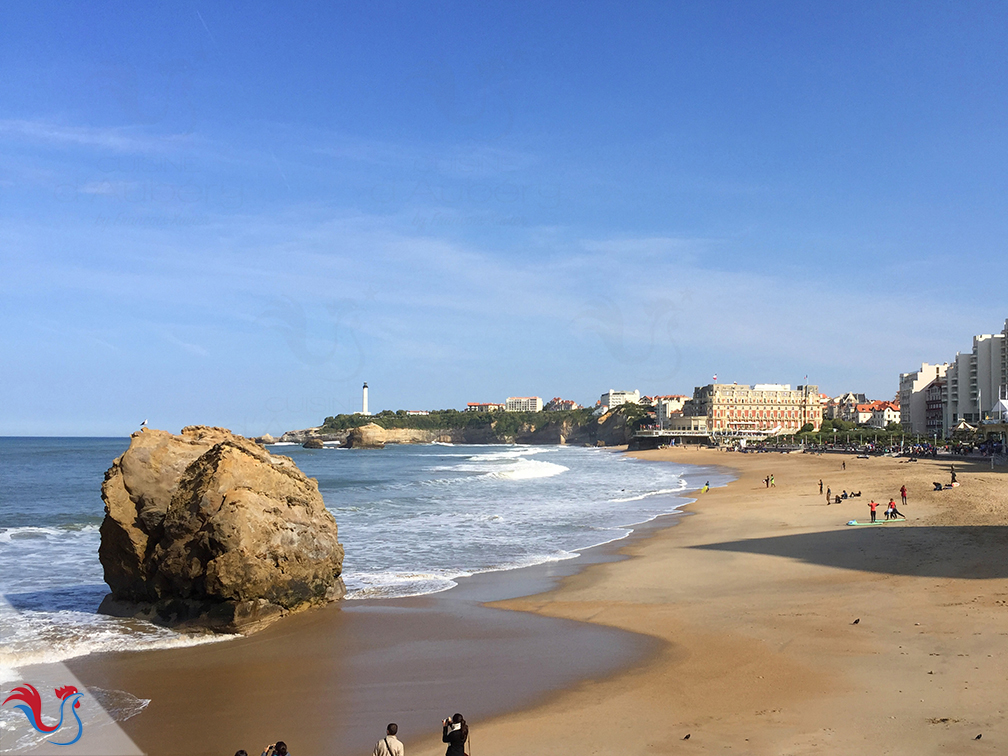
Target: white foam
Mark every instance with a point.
(529, 469)
(647, 494)
(33, 637)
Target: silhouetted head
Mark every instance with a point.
(392, 729)
(281, 748)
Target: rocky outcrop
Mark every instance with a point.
(208, 529)
(264, 439)
(370, 436)
(373, 436)
(313, 443)
(300, 436)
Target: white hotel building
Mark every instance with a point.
(523, 404)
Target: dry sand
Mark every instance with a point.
(754, 598)
(741, 636)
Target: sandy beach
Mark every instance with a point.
(734, 627)
(755, 598)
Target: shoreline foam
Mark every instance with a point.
(546, 654)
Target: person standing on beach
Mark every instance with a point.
(873, 506)
(772, 484)
(389, 745)
(827, 495)
(903, 494)
(820, 486)
(843, 465)
(456, 733)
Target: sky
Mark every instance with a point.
(235, 214)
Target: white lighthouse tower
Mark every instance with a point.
(364, 411)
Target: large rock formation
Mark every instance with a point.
(208, 529)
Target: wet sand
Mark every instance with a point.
(328, 681)
(755, 600)
(734, 627)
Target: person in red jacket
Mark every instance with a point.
(873, 506)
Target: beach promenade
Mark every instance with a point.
(755, 600)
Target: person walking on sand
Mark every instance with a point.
(456, 733)
(820, 486)
(827, 494)
(903, 494)
(843, 465)
(772, 484)
(894, 513)
(873, 507)
(389, 745)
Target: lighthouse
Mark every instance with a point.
(364, 410)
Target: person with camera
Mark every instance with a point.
(389, 745)
(276, 749)
(456, 733)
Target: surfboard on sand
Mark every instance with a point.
(877, 522)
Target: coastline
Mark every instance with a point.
(753, 601)
(739, 618)
(353, 666)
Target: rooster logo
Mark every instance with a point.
(31, 706)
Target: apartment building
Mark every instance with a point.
(613, 398)
(936, 397)
(667, 407)
(978, 380)
(484, 407)
(523, 404)
(764, 406)
(913, 396)
(556, 404)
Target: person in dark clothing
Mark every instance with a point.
(456, 733)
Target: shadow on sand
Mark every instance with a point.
(973, 552)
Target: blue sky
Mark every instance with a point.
(235, 214)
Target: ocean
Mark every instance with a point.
(413, 519)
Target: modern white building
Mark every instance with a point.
(613, 398)
(978, 380)
(524, 404)
(667, 407)
(913, 396)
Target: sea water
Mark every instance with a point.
(412, 518)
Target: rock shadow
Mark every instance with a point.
(969, 552)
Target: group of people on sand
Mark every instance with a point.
(891, 512)
(455, 732)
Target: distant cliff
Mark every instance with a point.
(576, 427)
